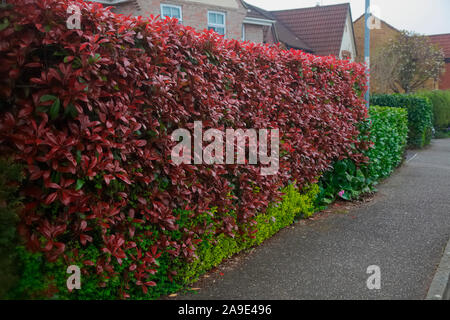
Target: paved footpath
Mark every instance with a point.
(404, 231)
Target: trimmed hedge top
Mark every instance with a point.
(420, 115)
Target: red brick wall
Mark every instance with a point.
(127, 8)
(194, 14)
(254, 33)
(444, 83)
(378, 39)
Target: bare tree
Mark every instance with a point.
(407, 63)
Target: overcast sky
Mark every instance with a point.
(422, 16)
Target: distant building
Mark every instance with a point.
(322, 30)
(381, 37)
(327, 30)
(227, 17)
(378, 39)
(443, 41)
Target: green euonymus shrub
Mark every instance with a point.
(388, 132)
(440, 100)
(213, 250)
(420, 115)
(40, 278)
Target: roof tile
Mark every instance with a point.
(283, 34)
(322, 27)
(442, 40)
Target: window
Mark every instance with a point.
(171, 11)
(216, 22)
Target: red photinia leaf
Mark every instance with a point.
(150, 284)
(140, 143)
(84, 239)
(123, 178)
(51, 198)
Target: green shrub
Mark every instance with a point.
(388, 131)
(440, 101)
(345, 177)
(442, 135)
(41, 279)
(420, 115)
(10, 203)
(213, 250)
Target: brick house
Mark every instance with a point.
(327, 30)
(230, 18)
(378, 39)
(322, 30)
(443, 41)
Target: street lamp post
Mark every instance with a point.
(367, 50)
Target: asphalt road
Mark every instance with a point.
(403, 230)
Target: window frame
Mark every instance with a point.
(215, 25)
(172, 6)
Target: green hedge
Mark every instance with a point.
(388, 131)
(440, 99)
(420, 115)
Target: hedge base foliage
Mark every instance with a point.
(40, 278)
(211, 253)
(11, 177)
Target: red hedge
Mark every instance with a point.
(81, 108)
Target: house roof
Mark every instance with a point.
(321, 27)
(281, 32)
(255, 12)
(442, 40)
